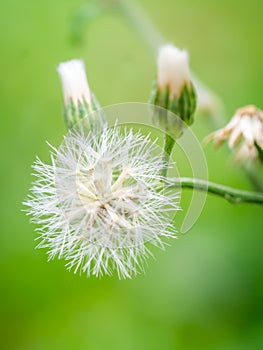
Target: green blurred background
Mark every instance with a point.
(206, 290)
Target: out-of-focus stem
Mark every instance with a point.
(142, 24)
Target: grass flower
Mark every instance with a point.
(101, 200)
(244, 132)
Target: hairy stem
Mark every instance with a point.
(231, 194)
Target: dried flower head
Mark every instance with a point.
(101, 201)
(244, 132)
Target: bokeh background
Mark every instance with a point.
(206, 290)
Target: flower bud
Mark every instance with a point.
(174, 90)
(79, 102)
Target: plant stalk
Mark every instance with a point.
(233, 195)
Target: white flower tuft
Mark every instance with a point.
(242, 132)
(101, 201)
(173, 69)
(74, 82)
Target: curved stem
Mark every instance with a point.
(141, 22)
(231, 194)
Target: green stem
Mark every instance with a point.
(253, 177)
(168, 147)
(141, 22)
(231, 194)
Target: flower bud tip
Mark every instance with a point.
(74, 82)
(173, 69)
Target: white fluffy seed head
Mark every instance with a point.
(74, 82)
(173, 69)
(101, 201)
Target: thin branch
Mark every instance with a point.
(231, 194)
